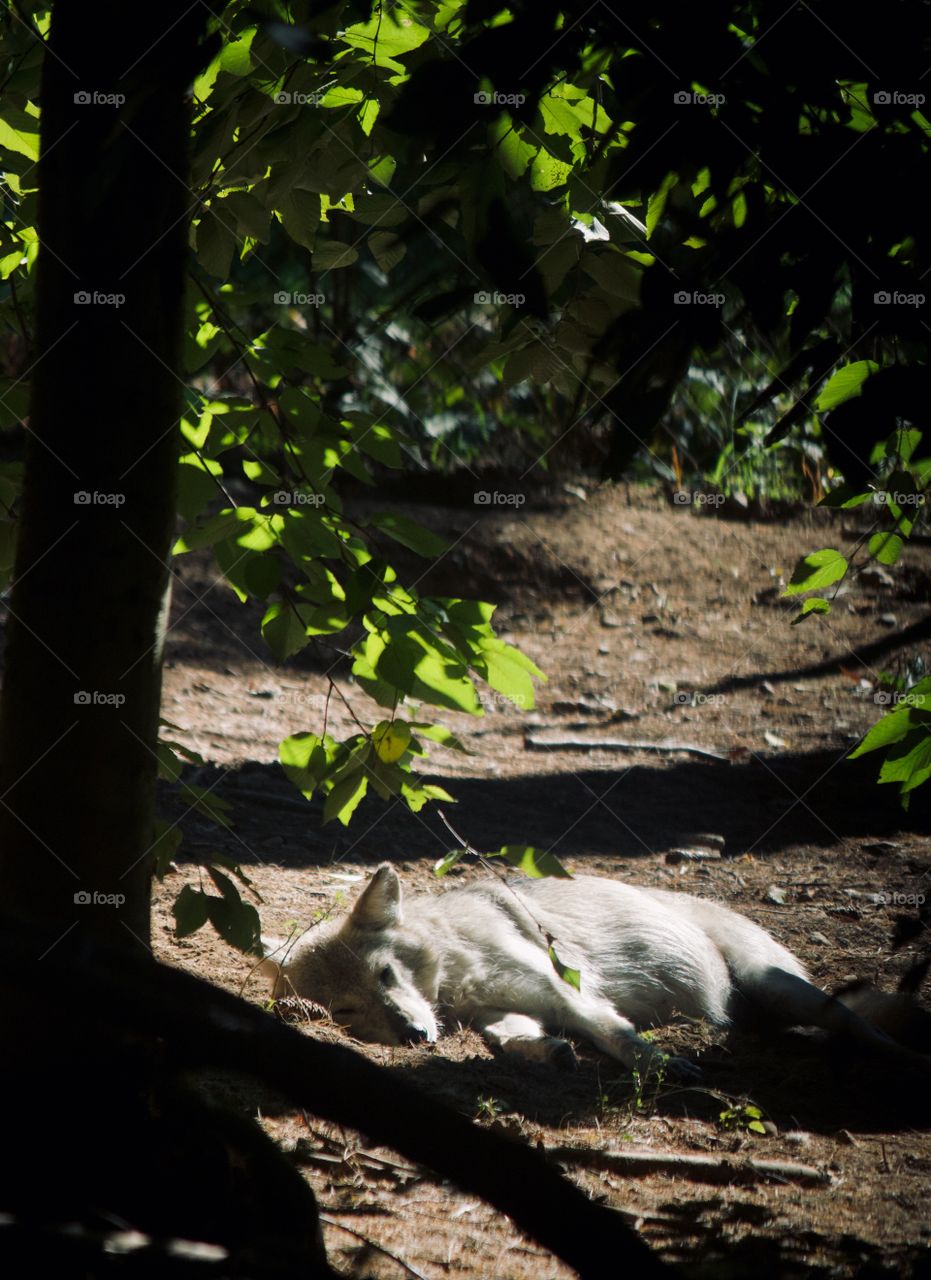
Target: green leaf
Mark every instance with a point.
(306, 535)
(814, 605)
(439, 733)
(195, 486)
(283, 630)
(218, 527)
(235, 57)
(615, 273)
(508, 671)
(216, 245)
(378, 441)
(391, 739)
(412, 661)
(300, 216)
(345, 797)
(169, 766)
(242, 210)
(536, 863)
(657, 202)
(387, 36)
(572, 976)
(413, 536)
(846, 496)
(417, 797)
(305, 759)
(450, 860)
(903, 500)
(19, 132)
(513, 152)
(817, 570)
(896, 724)
(387, 249)
(331, 254)
(909, 762)
(380, 210)
(886, 547)
(249, 573)
(902, 444)
(188, 753)
(845, 384)
(190, 911)
(547, 173)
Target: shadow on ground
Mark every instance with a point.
(758, 806)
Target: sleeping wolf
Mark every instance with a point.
(480, 954)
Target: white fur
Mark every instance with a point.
(391, 970)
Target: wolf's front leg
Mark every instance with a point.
(523, 1036)
(615, 1035)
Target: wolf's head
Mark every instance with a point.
(375, 977)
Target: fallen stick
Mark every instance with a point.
(373, 1244)
(535, 743)
(697, 1168)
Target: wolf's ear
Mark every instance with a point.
(379, 905)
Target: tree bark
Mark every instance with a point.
(79, 711)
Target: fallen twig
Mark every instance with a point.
(534, 742)
(697, 1168)
(373, 1244)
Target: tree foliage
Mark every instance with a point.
(411, 222)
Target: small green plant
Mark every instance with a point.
(648, 1081)
(488, 1109)
(746, 1117)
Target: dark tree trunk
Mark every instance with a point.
(79, 712)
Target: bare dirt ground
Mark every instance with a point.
(658, 625)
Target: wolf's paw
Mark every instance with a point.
(550, 1049)
(561, 1054)
(665, 1067)
(681, 1071)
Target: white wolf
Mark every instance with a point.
(480, 954)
